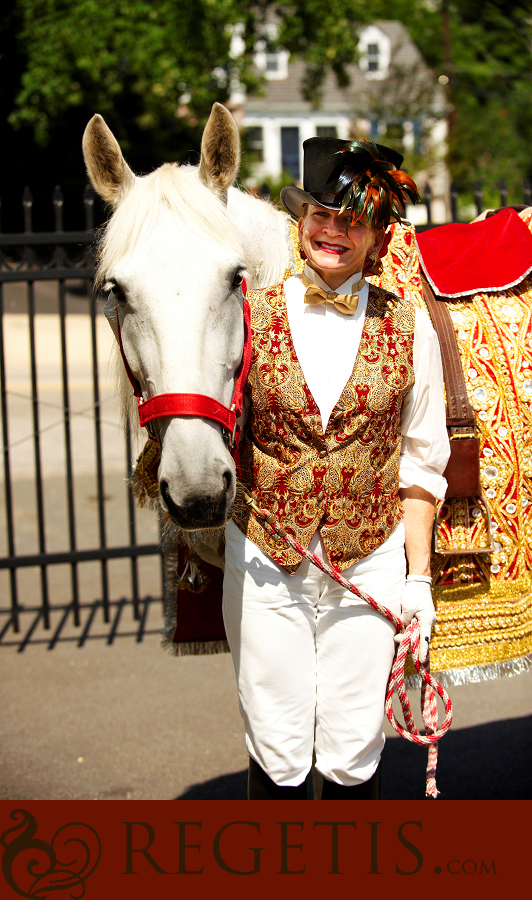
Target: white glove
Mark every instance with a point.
(417, 601)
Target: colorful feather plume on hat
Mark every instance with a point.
(370, 184)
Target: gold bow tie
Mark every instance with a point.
(344, 303)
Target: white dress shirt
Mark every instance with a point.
(326, 343)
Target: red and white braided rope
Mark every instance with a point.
(396, 682)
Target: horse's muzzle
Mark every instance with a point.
(201, 510)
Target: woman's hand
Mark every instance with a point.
(417, 601)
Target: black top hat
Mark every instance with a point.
(359, 175)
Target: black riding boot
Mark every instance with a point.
(261, 787)
(368, 790)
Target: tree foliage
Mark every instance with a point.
(154, 67)
(92, 54)
(484, 48)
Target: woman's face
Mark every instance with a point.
(335, 249)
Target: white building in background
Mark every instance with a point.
(389, 69)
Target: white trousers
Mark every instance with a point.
(312, 661)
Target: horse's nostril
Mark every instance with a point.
(228, 480)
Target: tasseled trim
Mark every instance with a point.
(195, 648)
(476, 674)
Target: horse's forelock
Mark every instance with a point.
(171, 187)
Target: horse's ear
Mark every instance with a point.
(108, 171)
(220, 150)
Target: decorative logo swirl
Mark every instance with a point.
(33, 868)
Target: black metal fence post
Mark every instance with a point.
(427, 199)
(454, 202)
(60, 261)
(478, 197)
(10, 525)
(503, 192)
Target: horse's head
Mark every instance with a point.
(174, 265)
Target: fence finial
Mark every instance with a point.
(27, 205)
(57, 200)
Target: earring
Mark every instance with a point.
(373, 265)
(302, 253)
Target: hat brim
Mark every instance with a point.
(294, 199)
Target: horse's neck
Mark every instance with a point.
(263, 232)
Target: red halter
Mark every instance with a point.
(198, 405)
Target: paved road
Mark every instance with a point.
(127, 721)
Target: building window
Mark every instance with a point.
(372, 54)
(399, 133)
(395, 133)
(375, 53)
(270, 59)
(272, 62)
(290, 151)
(254, 141)
(329, 131)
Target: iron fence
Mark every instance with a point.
(478, 194)
(38, 274)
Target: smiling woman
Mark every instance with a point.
(333, 247)
(345, 445)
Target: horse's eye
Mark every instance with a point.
(118, 293)
(237, 279)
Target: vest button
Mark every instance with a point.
(323, 453)
(321, 495)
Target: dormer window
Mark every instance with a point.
(372, 54)
(272, 62)
(270, 59)
(374, 47)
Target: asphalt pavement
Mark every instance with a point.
(118, 718)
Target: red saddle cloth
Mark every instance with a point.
(491, 255)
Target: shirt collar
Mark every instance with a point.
(345, 288)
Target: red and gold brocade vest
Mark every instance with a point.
(344, 481)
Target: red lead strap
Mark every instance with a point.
(198, 405)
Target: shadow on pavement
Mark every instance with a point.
(486, 762)
(93, 624)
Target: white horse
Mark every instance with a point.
(173, 254)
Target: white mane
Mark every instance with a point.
(262, 231)
(170, 187)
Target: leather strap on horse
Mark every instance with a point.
(463, 469)
(396, 682)
(189, 405)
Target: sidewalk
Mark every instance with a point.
(124, 720)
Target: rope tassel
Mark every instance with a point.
(429, 708)
(409, 641)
